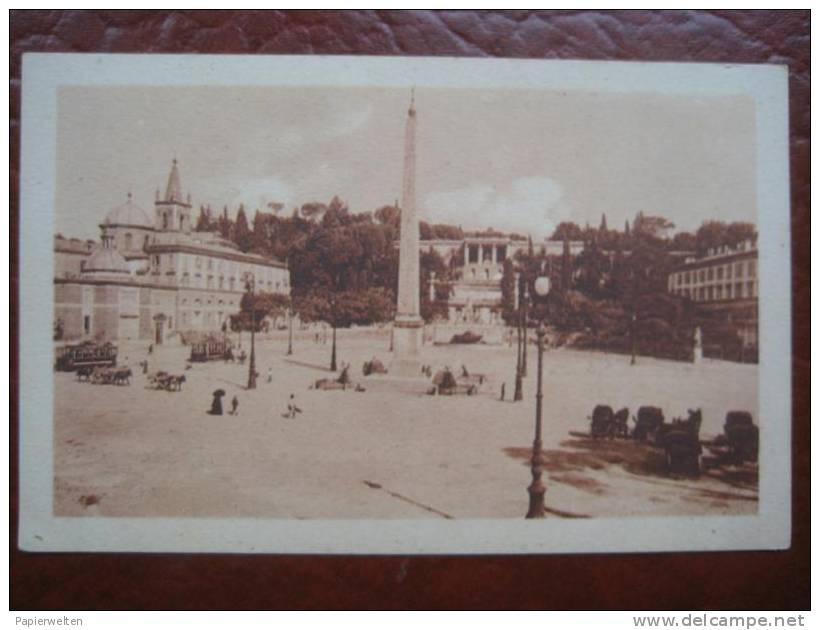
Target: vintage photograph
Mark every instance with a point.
(410, 301)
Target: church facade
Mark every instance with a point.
(154, 278)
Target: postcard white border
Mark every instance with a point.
(41, 531)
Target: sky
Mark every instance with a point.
(512, 160)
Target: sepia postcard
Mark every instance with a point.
(274, 304)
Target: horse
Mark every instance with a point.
(122, 376)
(157, 379)
(174, 382)
(102, 375)
(601, 422)
(681, 441)
(648, 421)
(84, 372)
(742, 436)
(620, 422)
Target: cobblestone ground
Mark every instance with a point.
(388, 451)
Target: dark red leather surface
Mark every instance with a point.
(759, 580)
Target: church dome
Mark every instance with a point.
(129, 214)
(106, 260)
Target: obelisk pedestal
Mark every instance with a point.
(407, 326)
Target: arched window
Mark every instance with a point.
(128, 240)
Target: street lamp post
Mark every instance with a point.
(250, 284)
(518, 396)
(633, 331)
(524, 329)
(537, 488)
(290, 331)
(333, 324)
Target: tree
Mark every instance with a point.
(260, 234)
(242, 233)
(336, 215)
(684, 241)
(388, 215)
(738, 232)
(654, 227)
(593, 270)
(509, 309)
(567, 230)
(313, 211)
(224, 224)
(204, 222)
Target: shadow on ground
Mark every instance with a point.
(578, 456)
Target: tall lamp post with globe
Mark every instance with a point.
(537, 488)
(250, 287)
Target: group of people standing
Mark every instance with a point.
(216, 404)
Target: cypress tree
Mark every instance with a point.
(242, 233)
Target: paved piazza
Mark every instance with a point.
(386, 452)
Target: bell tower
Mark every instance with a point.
(173, 214)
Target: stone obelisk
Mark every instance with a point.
(407, 327)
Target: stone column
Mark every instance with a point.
(408, 322)
(494, 246)
(466, 253)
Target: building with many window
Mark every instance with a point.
(723, 283)
(154, 278)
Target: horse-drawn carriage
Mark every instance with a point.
(681, 442)
(103, 375)
(343, 382)
(85, 355)
(679, 439)
(374, 366)
(607, 423)
(647, 422)
(740, 440)
(446, 384)
(166, 381)
(211, 350)
(466, 337)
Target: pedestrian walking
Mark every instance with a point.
(292, 408)
(270, 374)
(503, 390)
(216, 403)
(234, 406)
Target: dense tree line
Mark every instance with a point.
(616, 288)
(344, 269)
(344, 265)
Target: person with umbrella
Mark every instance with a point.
(216, 404)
